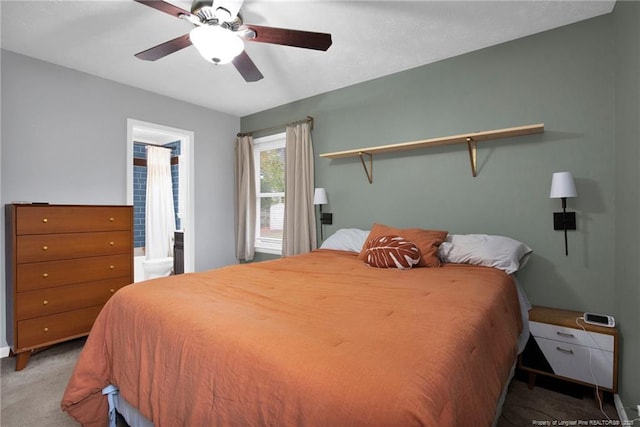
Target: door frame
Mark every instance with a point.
(187, 140)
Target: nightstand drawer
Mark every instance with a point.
(577, 362)
(574, 336)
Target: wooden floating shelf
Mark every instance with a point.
(471, 139)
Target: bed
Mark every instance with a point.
(318, 339)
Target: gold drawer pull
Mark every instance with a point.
(46, 329)
(44, 248)
(112, 219)
(564, 350)
(564, 334)
(112, 290)
(112, 267)
(112, 243)
(45, 220)
(45, 275)
(45, 302)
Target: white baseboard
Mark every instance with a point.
(4, 352)
(622, 414)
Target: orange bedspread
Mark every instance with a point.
(319, 339)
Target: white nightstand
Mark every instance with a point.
(559, 348)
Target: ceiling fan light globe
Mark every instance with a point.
(216, 44)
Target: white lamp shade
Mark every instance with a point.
(320, 196)
(562, 185)
(216, 44)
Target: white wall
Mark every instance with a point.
(64, 139)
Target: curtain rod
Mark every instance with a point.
(308, 119)
(153, 145)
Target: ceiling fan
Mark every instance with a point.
(219, 35)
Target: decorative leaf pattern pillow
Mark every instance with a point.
(427, 241)
(391, 252)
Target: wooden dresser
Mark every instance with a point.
(63, 263)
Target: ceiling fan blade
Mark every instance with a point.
(247, 68)
(164, 49)
(165, 7)
(295, 38)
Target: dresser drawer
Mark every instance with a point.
(572, 336)
(54, 328)
(67, 219)
(578, 362)
(66, 298)
(48, 247)
(41, 275)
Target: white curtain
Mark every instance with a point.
(299, 233)
(160, 219)
(245, 199)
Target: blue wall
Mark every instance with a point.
(139, 196)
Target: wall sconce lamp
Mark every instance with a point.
(320, 198)
(562, 186)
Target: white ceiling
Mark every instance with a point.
(370, 39)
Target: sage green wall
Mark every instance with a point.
(627, 194)
(564, 78)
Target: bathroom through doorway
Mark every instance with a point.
(140, 134)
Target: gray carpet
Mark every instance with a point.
(31, 397)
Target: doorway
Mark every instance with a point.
(152, 133)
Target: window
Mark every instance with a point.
(269, 161)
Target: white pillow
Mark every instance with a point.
(346, 239)
(481, 249)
